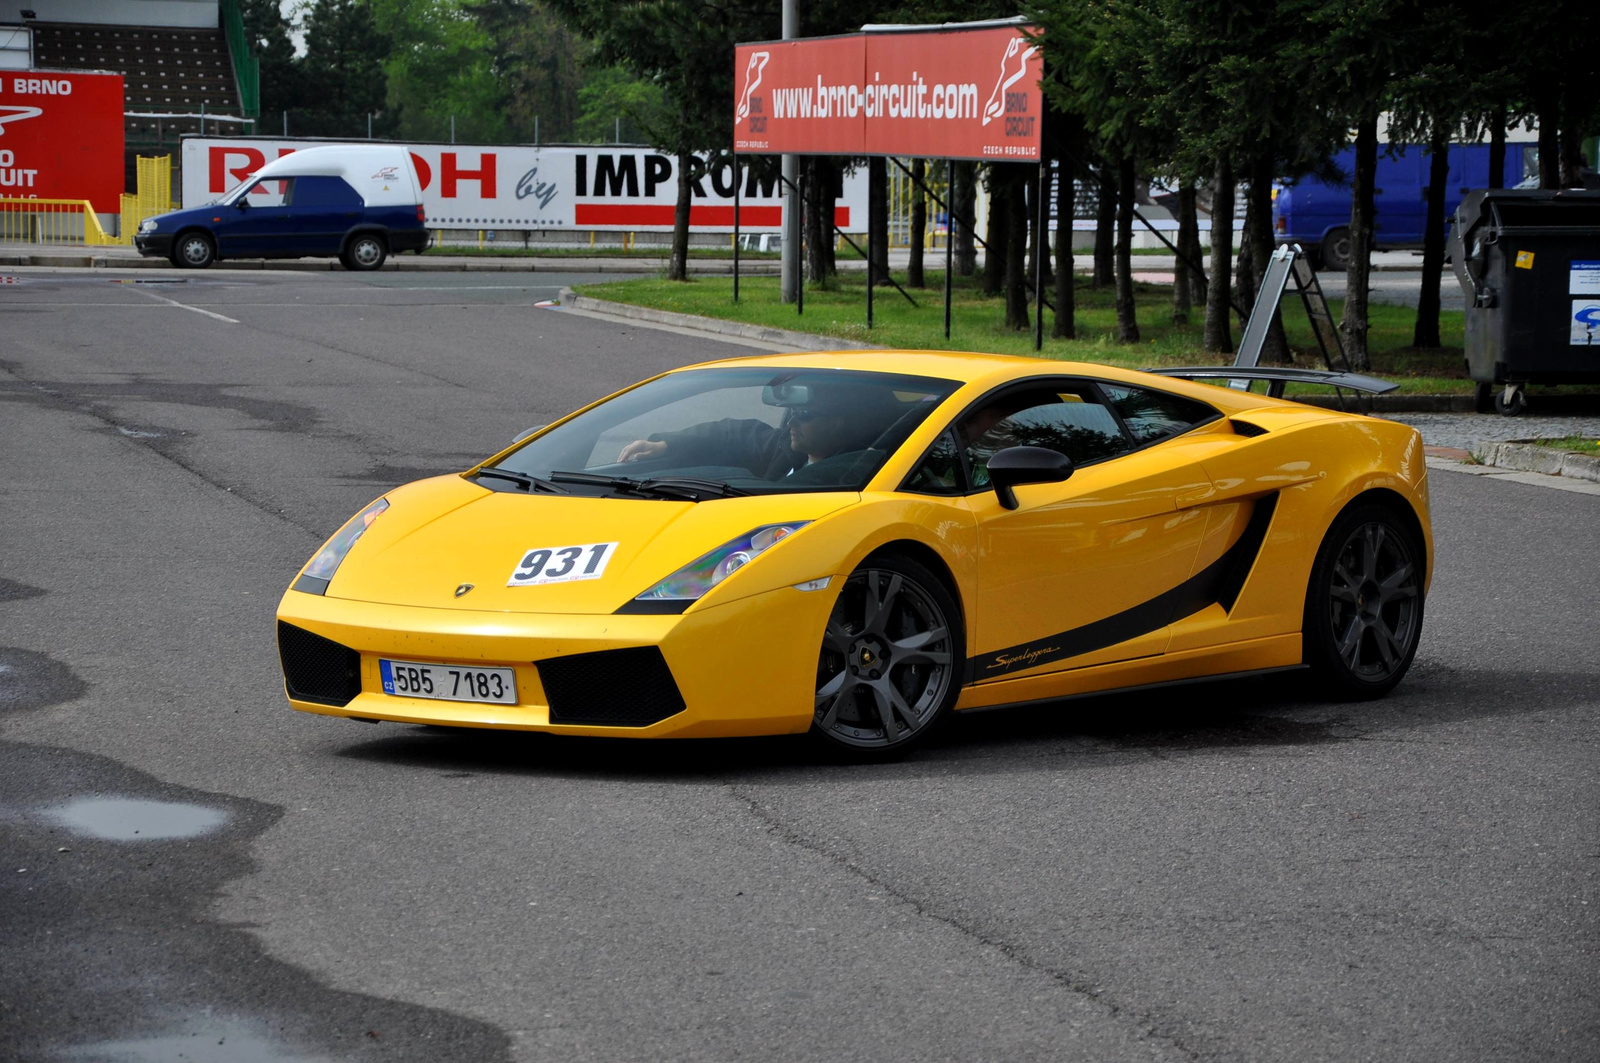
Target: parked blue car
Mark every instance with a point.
(356, 202)
(1316, 214)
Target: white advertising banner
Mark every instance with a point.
(470, 186)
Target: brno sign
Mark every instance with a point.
(61, 137)
(927, 93)
(499, 187)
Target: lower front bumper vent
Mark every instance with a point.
(318, 669)
(611, 688)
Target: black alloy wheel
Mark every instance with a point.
(366, 251)
(1336, 250)
(891, 659)
(194, 250)
(1363, 616)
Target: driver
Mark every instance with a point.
(832, 421)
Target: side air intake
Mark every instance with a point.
(611, 688)
(317, 669)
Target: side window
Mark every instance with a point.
(273, 192)
(1153, 415)
(1066, 419)
(939, 472)
(324, 192)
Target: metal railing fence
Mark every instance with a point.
(52, 221)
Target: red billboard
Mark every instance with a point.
(954, 94)
(61, 137)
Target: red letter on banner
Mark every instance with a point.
(449, 175)
(220, 173)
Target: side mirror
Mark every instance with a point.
(1025, 465)
(525, 433)
(242, 204)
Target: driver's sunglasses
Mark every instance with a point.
(800, 413)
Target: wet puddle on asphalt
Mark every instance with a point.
(217, 1042)
(128, 819)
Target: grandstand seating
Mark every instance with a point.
(165, 70)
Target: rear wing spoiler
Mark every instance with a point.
(1277, 377)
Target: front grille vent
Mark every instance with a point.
(318, 669)
(611, 688)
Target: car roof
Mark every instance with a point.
(381, 173)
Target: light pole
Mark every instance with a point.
(791, 180)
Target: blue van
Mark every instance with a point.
(1316, 215)
(356, 202)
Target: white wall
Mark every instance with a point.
(193, 14)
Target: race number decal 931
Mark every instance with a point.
(561, 564)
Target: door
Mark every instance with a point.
(256, 224)
(1093, 569)
(322, 209)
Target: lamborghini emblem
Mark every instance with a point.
(464, 588)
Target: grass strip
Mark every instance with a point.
(978, 324)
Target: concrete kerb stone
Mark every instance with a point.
(125, 260)
(1527, 457)
(804, 340)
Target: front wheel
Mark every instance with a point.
(365, 252)
(891, 659)
(1363, 617)
(193, 250)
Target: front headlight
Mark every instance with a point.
(314, 580)
(693, 580)
(148, 225)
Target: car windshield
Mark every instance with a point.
(710, 433)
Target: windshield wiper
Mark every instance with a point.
(528, 483)
(686, 488)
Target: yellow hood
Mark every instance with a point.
(442, 533)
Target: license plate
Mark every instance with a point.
(448, 682)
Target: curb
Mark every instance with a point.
(1391, 403)
(1525, 457)
(807, 341)
(439, 264)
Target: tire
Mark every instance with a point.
(1336, 250)
(882, 682)
(193, 250)
(1518, 403)
(1364, 604)
(365, 252)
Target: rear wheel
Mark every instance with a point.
(1363, 616)
(1336, 250)
(365, 251)
(890, 664)
(193, 250)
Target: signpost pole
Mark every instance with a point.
(1041, 248)
(872, 232)
(949, 241)
(735, 161)
(799, 219)
(791, 170)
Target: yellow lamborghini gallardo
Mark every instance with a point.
(857, 544)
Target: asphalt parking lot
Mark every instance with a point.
(1233, 872)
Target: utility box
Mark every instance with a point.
(1529, 263)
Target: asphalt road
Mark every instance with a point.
(1225, 873)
